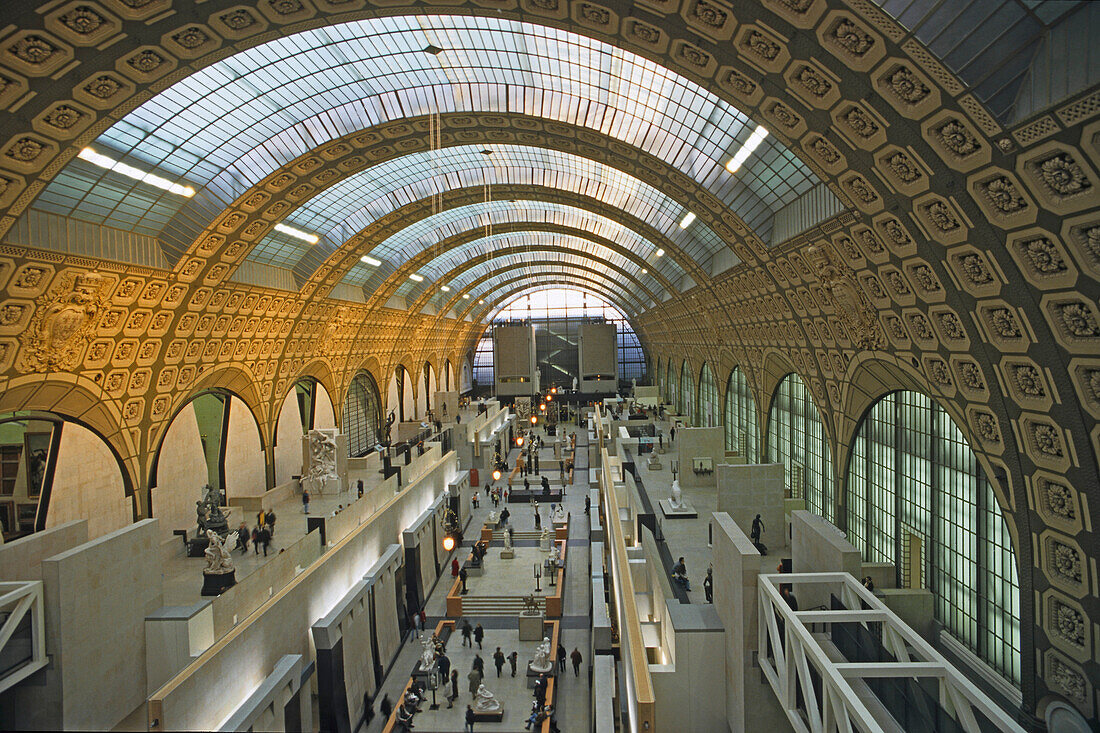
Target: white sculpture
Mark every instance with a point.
(633, 387)
(322, 458)
(544, 540)
(508, 538)
(543, 661)
(494, 517)
(218, 559)
(559, 513)
(427, 658)
(485, 701)
(676, 502)
(574, 384)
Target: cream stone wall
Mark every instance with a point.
(87, 484)
(245, 474)
(181, 473)
(288, 440)
(324, 415)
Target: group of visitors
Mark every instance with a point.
(260, 535)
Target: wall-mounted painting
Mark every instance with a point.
(37, 454)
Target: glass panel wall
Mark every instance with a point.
(708, 408)
(686, 404)
(362, 415)
(740, 417)
(912, 471)
(796, 438)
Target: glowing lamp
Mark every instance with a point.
(553, 390)
(534, 420)
(496, 475)
(543, 407)
(448, 543)
(549, 398)
(519, 440)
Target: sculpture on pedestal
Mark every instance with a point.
(559, 513)
(543, 662)
(494, 516)
(322, 458)
(544, 540)
(218, 559)
(676, 501)
(485, 701)
(530, 606)
(427, 657)
(508, 538)
(208, 512)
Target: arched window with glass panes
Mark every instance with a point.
(362, 415)
(708, 410)
(796, 438)
(915, 486)
(687, 394)
(740, 421)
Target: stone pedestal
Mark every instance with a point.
(214, 584)
(531, 627)
(533, 674)
(684, 511)
(507, 554)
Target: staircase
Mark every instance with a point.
(498, 535)
(496, 605)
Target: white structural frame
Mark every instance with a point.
(19, 600)
(841, 708)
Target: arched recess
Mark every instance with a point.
(213, 438)
(709, 410)
(671, 385)
(306, 406)
(796, 438)
(742, 426)
(911, 471)
(448, 376)
(363, 417)
(55, 470)
(686, 393)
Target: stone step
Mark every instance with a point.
(517, 535)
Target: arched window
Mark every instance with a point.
(363, 415)
(673, 387)
(912, 472)
(740, 418)
(796, 438)
(707, 411)
(687, 394)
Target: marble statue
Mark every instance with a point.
(544, 540)
(427, 658)
(494, 517)
(559, 513)
(574, 384)
(485, 701)
(322, 458)
(218, 559)
(633, 387)
(677, 500)
(544, 661)
(208, 512)
(508, 538)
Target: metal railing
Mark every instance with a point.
(22, 631)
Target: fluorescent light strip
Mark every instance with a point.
(465, 296)
(297, 233)
(686, 221)
(416, 278)
(366, 259)
(750, 145)
(660, 253)
(445, 289)
(137, 174)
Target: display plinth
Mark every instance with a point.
(214, 584)
(196, 546)
(507, 554)
(531, 627)
(533, 674)
(685, 511)
(493, 716)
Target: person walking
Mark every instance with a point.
(479, 664)
(265, 538)
(708, 585)
(462, 574)
(469, 719)
(561, 658)
(575, 657)
(414, 624)
(672, 434)
(479, 634)
(305, 501)
(498, 660)
(475, 681)
(454, 689)
(587, 505)
(271, 521)
(504, 514)
(467, 630)
(423, 619)
(243, 535)
(444, 663)
(385, 707)
(256, 540)
(454, 567)
(512, 661)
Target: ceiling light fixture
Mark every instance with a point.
(416, 278)
(465, 296)
(367, 259)
(480, 302)
(137, 174)
(445, 289)
(660, 253)
(645, 271)
(297, 233)
(750, 145)
(686, 221)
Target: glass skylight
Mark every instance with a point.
(230, 124)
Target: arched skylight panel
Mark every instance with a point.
(412, 290)
(247, 112)
(463, 219)
(553, 300)
(627, 295)
(609, 291)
